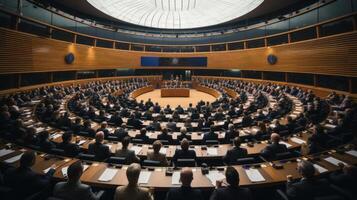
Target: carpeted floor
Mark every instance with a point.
(195, 96)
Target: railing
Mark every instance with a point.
(16, 22)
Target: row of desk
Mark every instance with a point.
(156, 177)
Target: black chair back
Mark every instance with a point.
(151, 163)
(185, 163)
(117, 160)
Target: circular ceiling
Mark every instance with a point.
(176, 14)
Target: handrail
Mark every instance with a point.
(194, 46)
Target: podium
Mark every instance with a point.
(175, 92)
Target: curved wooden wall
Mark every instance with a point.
(333, 55)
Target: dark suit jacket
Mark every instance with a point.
(184, 193)
(231, 193)
(210, 136)
(271, 150)
(233, 154)
(165, 137)
(181, 154)
(73, 191)
(100, 151)
(70, 149)
(145, 138)
(25, 182)
(307, 189)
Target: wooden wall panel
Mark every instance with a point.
(333, 55)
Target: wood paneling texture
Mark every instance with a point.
(333, 55)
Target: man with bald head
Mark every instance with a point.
(274, 148)
(184, 152)
(185, 192)
(98, 149)
(132, 191)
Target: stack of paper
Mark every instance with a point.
(4, 152)
(320, 169)
(82, 142)
(334, 161)
(163, 150)
(297, 140)
(352, 153)
(254, 175)
(214, 176)
(13, 159)
(212, 151)
(331, 126)
(175, 178)
(108, 175)
(65, 169)
(144, 177)
(137, 149)
(286, 144)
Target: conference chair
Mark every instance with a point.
(212, 142)
(84, 156)
(245, 161)
(151, 163)
(185, 163)
(117, 160)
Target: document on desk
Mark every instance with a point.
(13, 159)
(297, 140)
(163, 150)
(108, 175)
(334, 161)
(214, 176)
(64, 170)
(254, 175)
(286, 144)
(352, 153)
(4, 152)
(144, 177)
(320, 169)
(55, 136)
(176, 178)
(82, 142)
(137, 149)
(212, 151)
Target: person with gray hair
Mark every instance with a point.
(100, 150)
(132, 191)
(308, 187)
(73, 189)
(183, 134)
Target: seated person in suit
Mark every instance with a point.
(230, 134)
(44, 141)
(308, 187)
(184, 152)
(263, 133)
(134, 122)
(232, 191)
(171, 125)
(188, 124)
(271, 150)
(236, 152)
(129, 155)
(132, 191)
(121, 132)
(69, 148)
(183, 134)
(73, 188)
(156, 155)
(77, 127)
(165, 136)
(143, 136)
(318, 140)
(155, 125)
(184, 192)
(98, 149)
(168, 109)
(246, 120)
(24, 181)
(103, 128)
(345, 178)
(116, 119)
(88, 128)
(211, 135)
